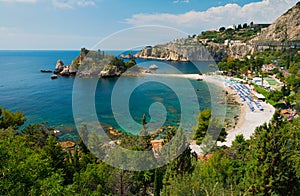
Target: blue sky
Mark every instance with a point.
(72, 24)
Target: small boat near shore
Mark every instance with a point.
(54, 76)
(46, 71)
(153, 67)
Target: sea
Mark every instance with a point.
(24, 88)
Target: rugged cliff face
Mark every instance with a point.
(285, 28)
(162, 52)
(237, 50)
(194, 51)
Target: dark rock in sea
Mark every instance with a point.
(54, 76)
(56, 72)
(67, 74)
(46, 71)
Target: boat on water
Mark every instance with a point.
(46, 71)
(153, 67)
(54, 76)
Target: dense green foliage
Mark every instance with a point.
(121, 65)
(237, 67)
(10, 119)
(31, 163)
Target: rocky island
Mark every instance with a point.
(95, 64)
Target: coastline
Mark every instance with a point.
(247, 121)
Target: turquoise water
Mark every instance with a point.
(23, 87)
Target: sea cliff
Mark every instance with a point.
(191, 50)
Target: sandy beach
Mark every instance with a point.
(248, 120)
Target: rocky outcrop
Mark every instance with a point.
(285, 28)
(62, 70)
(59, 66)
(65, 71)
(109, 71)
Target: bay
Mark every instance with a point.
(23, 87)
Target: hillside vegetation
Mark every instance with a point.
(240, 32)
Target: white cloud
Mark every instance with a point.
(181, 1)
(4, 30)
(65, 4)
(265, 11)
(19, 1)
(86, 3)
(70, 4)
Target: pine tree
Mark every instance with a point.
(54, 152)
(144, 121)
(269, 171)
(11, 119)
(203, 123)
(144, 136)
(157, 182)
(208, 123)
